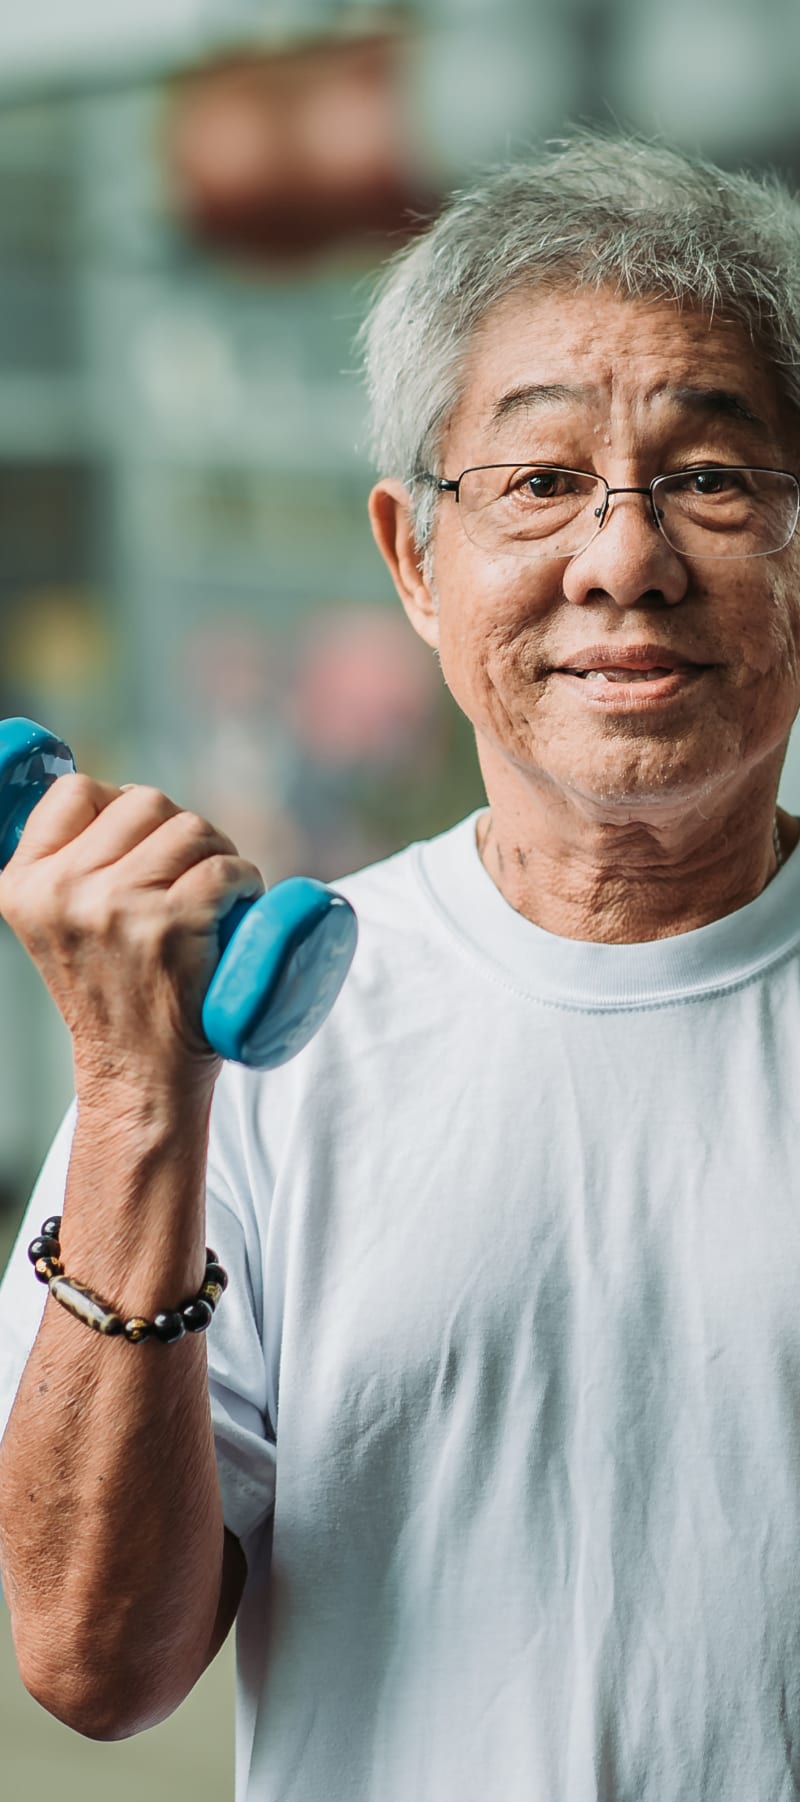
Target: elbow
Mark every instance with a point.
(76, 1706)
(84, 1715)
(82, 1707)
(91, 1702)
(103, 1667)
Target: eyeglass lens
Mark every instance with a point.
(538, 510)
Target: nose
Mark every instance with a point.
(628, 562)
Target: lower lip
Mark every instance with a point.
(636, 695)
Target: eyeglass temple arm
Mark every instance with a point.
(440, 484)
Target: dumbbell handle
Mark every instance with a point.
(283, 958)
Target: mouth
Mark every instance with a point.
(622, 673)
(636, 663)
(634, 677)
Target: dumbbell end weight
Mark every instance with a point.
(31, 760)
(283, 958)
(293, 949)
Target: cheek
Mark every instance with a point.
(488, 659)
(784, 607)
(764, 627)
(492, 622)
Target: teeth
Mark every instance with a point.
(625, 675)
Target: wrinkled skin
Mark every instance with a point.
(616, 826)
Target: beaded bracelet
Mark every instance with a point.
(193, 1317)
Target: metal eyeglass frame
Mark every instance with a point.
(444, 486)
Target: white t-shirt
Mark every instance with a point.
(507, 1376)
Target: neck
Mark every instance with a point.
(629, 882)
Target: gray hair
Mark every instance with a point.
(589, 211)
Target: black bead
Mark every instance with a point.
(169, 1326)
(137, 1329)
(44, 1247)
(216, 1274)
(197, 1315)
(52, 1227)
(211, 1256)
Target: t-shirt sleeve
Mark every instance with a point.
(243, 1403)
(22, 1299)
(243, 1384)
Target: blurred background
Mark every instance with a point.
(194, 197)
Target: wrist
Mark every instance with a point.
(134, 1210)
(194, 1315)
(148, 1109)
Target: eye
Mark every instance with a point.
(541, 484)
(714, 481)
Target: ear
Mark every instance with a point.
(391, 519)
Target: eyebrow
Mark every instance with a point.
(535, 394)
(720, 403)
(710, 403)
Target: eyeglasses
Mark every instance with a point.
(538, 510)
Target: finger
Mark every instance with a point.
(209, 890)
(133, 814)
(66, 811)
(172, 848)
(102, 826)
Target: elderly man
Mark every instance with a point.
(501, 1468)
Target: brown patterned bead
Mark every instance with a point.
(85, 1305)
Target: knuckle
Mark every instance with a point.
(205, 835)
(214, 874)
(62, 796)
(253, 873)
(217, 868)
(196, 826)
(75, 782)
(153, 801)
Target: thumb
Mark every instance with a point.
(62, 814)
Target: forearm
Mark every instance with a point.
(111, 1533)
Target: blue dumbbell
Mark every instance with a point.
(283, 958)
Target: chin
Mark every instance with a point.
(603, 785)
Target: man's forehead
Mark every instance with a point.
(574, 353)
